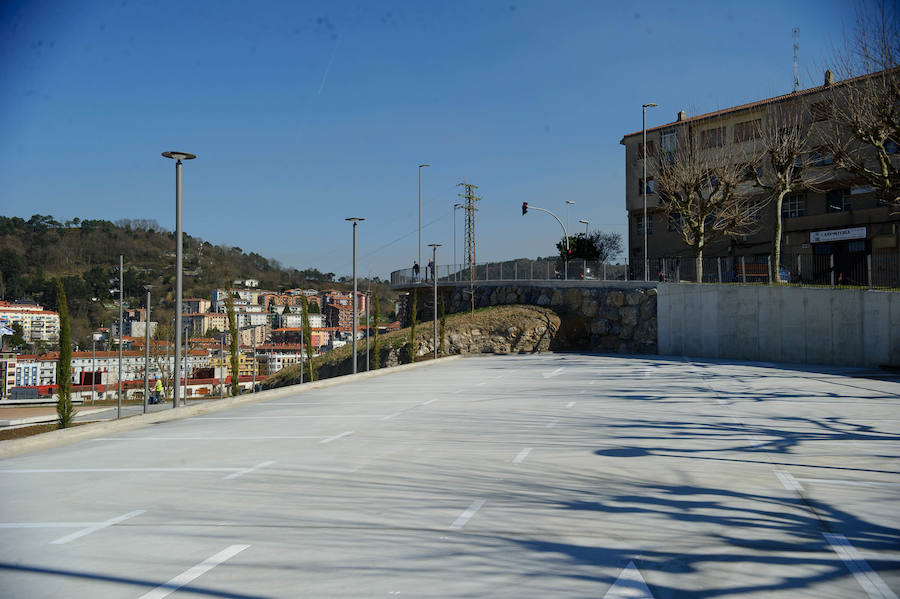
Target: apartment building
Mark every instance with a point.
(37, 324)
(838, 220)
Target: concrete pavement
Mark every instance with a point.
(559, 475)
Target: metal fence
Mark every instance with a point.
(878, 270)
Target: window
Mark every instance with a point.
(837, 200)
(650, 149)
(668, 140)
(891, 147)
(639, 221)
(821, 111)
(650, 187)
(747, 130)
(712, 138)
(793, 206)
(675, 223)
(822, 157)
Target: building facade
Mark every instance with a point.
(37, 324)
(837, 224)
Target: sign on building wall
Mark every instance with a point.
(837, 235)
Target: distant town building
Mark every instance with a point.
(37, 324)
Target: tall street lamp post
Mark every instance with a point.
(355, 220)
(585, 222)
(434, 247)
(568, 203)
(179, 265)
(421, 166)
(119, 383)
(644, 108)
(147, 349)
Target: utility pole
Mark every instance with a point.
(469, 200)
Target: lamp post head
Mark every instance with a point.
(147, 288)
(354, 219)
(434, 245)
(179, 155)
(570, 202)
(421, 165)
(649, 105)
(584, 222)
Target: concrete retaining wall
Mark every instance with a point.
(847, 327)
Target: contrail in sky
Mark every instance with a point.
(325, 74)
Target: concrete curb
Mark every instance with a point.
(84, 432)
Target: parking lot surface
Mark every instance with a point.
(556, 475)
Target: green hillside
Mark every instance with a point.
(85, 254)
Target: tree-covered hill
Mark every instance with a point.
(85, 254)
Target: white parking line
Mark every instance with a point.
(467, 515)
(47, 524)
(336, 437)
(571, 404)
(787, 479)
(871, 582)
(430, 401)
(96, 526)
(76, 470)
(240, 473)
(389, 416)
(260, 438)
(522, 455)
(861, 483)
(164, 590)
(552, 423)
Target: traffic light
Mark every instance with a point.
(524, 208)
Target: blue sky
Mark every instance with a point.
(304, 113)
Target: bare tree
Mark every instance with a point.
(698, 190)
(784, 164)
(865, 111)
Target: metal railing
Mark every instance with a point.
(851, 270)
(514, 270)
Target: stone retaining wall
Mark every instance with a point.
(607, 317)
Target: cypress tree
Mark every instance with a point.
(413, 314)
(307, 338)
(233, 332)
(376, 358)
(443, 327)
(64, 411)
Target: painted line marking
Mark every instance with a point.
(76, 470)
(164, 590)
(467, 514)
(336, 437)
(571, 404)
(554, 373)
(261, 438)
(629, 585)
(97, 526)
(871, 582)
(592, 382)
(481, 384)
(240, 473)
(582, 392)
(552, 423)
(862, 483)
(787, 479)
(389, 416)
(521, 456)
(430, 401)
(47, 524)
(720, 401)
(289, 417)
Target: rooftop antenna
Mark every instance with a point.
(796, 51)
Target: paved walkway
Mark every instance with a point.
(523, 476)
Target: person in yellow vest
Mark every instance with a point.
(156, 396)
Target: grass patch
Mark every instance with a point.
(27, 431)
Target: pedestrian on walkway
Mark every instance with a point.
(431, 268)
(416, 270)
